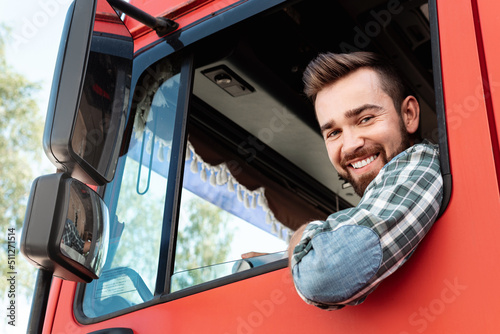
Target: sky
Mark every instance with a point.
(36, 31)
(32, 50)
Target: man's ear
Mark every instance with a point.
(410, 112)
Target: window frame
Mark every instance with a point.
(175, 172)
(444, 154)
(111, 194)
(185, 42)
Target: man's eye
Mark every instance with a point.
(332, 134)
(366, 119)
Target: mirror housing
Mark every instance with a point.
(66, 228)
(90, 93)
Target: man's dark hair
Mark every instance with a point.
(329, 67)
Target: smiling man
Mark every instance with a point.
(369, 123)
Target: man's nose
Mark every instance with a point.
(351, 141)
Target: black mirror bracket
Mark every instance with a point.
(165, 26)
(161, 25)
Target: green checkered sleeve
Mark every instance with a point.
(400, 205)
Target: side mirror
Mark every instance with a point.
(90, 93)
(66, 228)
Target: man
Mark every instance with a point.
(369, 123)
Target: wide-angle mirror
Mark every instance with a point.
(66, 228)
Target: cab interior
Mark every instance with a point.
(249, 79)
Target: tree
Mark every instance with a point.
(203, 242)
(142, 216)
(21, 129)
(203, 239)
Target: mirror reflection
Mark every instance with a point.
(84, 237)
(77, 234)
(103, 103)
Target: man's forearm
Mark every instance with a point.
(294, 240)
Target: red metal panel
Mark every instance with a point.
(450, 285)
(488, 25)
(184, 12)
(466, 238)
(107, 20)
(52, 303)
(172, 9)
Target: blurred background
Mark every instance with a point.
(30, 31)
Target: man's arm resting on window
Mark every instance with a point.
(294, 240)
(339, 261)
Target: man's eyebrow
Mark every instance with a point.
(356, 111)
(326, 126)
(350, 114)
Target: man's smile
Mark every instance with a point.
(361, 168)
(364, 162)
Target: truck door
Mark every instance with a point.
(224, 157)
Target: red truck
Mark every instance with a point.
(182, 139)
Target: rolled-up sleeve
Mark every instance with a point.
(341, 260)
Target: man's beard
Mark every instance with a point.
(364, 180)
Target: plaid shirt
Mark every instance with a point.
(71, 237)
(399, 205)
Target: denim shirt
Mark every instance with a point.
(341, 260)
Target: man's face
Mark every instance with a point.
(361, 128)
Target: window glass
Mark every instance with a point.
(129, 275)
(220, 219)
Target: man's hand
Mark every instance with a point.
(252, 254)
(294, 241)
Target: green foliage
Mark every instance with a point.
(21, 129)
(203, 241)
(142, 216)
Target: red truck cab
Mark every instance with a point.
(214, 151)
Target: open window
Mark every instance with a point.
(248, 112)
(252, 166)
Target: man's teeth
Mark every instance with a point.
(363, 163)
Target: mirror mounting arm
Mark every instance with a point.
(161, 25)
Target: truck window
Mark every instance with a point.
(255, 167)
(229, 207)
